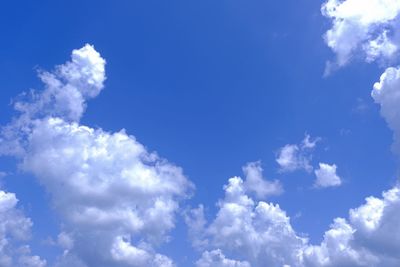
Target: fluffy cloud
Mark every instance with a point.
(326, 176)
(362, 27)
(117, 201)
(259, 234)
(14, 229)
(294, 157)
(386, 93)
(256, 183)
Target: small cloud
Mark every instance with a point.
(327, 176)
(256, 183)
(293, 157)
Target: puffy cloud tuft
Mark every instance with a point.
(326, 176)
(256, 183)
(293, 157)
(66, 88)
(252, 233)
(367, 28)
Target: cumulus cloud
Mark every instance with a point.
(386, 93)
(362, 28)
(14, 232)
(249, 233)
(255, 182)
(117, 201)
(327, 176)
(293, 157)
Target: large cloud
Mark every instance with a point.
(245, 232)
(363, 28)
(117, 201)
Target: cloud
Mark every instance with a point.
(249, 233)
(117, 201)
(66, 88)
(326, 176)
(386, 93)
(293, 157)
(215, 258)
(362, 28)
(14, 232)
(256, 183)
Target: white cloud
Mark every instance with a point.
(117, 201)
(368, 28)
(67, 88)
(326, 176)
(259, 234)
(386, 93)
(215, 258)
(293, 157)
(255, 182)
(14, 231)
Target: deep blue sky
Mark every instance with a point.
(210, 85)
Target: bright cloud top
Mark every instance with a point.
(107, 188)
(326, 176)
(366, 28)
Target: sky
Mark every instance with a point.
(199, 133)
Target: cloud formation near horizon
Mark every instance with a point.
(253, 233)
(109, 191)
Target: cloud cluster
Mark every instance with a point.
(117, 201)
(367, 29)
(249, 233)
(246, 232)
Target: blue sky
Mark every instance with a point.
(210, 86)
